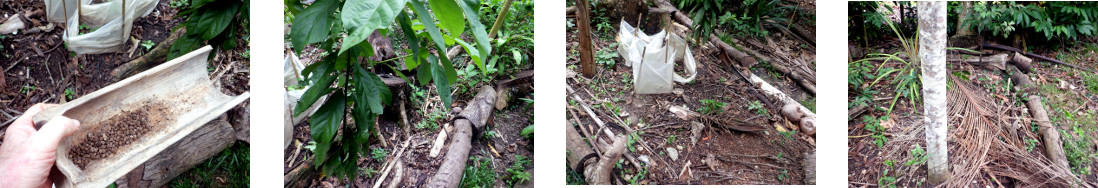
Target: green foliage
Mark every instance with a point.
(478, 174)
(905, 79)
(518, 173)
(211, 22)
(757, 107)
(885, 180)
(873, 125)
(710, 106)
(175, 4)
(379, 154)
(148, 44)
(528, 132)
(227, 169)
(671, 139)
(70, 94)
(348, 78)
(783, 175)
(1030, 144)
(605, 56)
(748, 18)
(918, 156)
(1090, 81)
(431, 121)
(1063, 20)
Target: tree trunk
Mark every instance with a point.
(932, 48)
(583, 22)
(203, 143)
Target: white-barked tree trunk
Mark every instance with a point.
(932, 56)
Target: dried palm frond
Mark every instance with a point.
(983, 147)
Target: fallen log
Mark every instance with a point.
(475, 114)
(803, 76)
(1051, 137)
(1008, 48)
(203, 143)
(995, 62)
(1025, 64)
(577, 149)
(154, 57)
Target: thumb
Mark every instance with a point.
(51, 134)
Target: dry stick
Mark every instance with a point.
(297, 172)
(585, 131)
(391, 163)
(632, 159)
(1053, 146)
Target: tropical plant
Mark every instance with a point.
(749, 18)
(210, 22)
(341, 28)
(1064, 20)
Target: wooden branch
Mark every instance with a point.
(1025, 64)
(203, 143)
(306, 167)
(1053, 146)
(453, 166)
(577, 148)
(805, 33)
(154, 57)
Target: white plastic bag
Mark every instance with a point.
(653, 59)
(112, 30)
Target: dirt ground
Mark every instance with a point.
(1064, 92)
(720, 156)
(419, 167)
(37, 68)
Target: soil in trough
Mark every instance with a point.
(118, 133)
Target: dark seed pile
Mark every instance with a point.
(105, 141)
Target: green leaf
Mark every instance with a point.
(413, 42)
(442, 87)
(184, 45)
(474, 54)
(423, 73)
(313, 24)
(449, 16)
(325, 123)
(318, 89)
(215, 19)
(528, 131)
(364, 123)
(294, 6)
(436, 36)
(370, 92)
(483, 41)
(362, 17)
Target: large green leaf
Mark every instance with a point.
(423, 73)
(362, 17)
(325, 123)
(436, 36)
(442, 87)
(449, 16)
(320, 88)
(413, 42)
(215, 19)
(184, 45)
(483, 41)
(313, 24)
(364, 123)
(370, 92)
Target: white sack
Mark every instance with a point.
(112, 30)
(655, 73)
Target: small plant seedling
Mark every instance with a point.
(148, 44)
(70, 94)
(379, 154)
(671, 139)
(757, 107)
(710, 106)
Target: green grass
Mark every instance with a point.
(479, 173)
(1078, 126)
(227, 169)
(379, 154)
(518, 173)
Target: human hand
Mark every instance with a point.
(27, 155)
